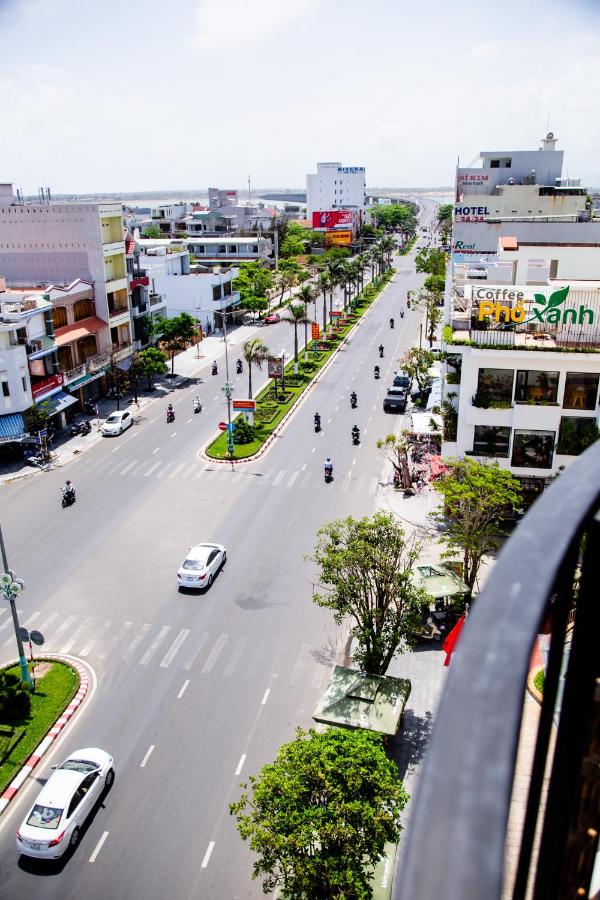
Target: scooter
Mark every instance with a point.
(214, 369)
(328, 474)
(90, 408)
(376, 372)
(317, 423)
(402, 314)
(197, 405)
(170, 416)
(353, 401)
(81, 428)
(381, 351)
(391, 323)
(68, 497)
(238, 367)
(355, 435)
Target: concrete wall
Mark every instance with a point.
(13, 369)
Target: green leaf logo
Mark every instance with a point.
(558, 297)
(539, 298)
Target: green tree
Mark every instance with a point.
(255, 352)
(296, 315)
(15, 698)
(254, 280)
(431, 260)
(296, 240)
(395, 447)
(243, 432)
(306, 295)
(366, 572)
(435, 284)
(475, 497)
(36, 417)
(417, 362)
(324, 284)
(320, 815)
(153, 231)
(149, 363)
(254, 304)
(176, 333)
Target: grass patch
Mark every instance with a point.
(538, 681)
(19, 739)
(270, 409)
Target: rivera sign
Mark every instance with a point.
(549, 310)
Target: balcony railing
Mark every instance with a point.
(546, 579)
(156, 299)
(97, 362)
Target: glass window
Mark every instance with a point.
(59, 316)
(491, 441)
(222, 248)
(576, 434)
(217, 292)
(44, 816)
(533, 449)
(5, 389)
(534, 386)
(83, 309)
(581, 390)
(494, 386)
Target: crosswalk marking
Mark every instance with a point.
(189, 471)
(292, 479)
(235, 656)
(373, 485)
(174, 648)
(66, 648)
(155, 645)
(70, 620)
(45, 625)
(138, 639)
(85, 650)
(214, 654)
(199, 641)
(162, 472)
(278, 478)
(153, 468)
(177, 470)
(29, 621)
(128, 467)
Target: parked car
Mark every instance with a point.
(201, 565)
(53, 823)
(117, 422)
(395, 401)
(272, 319)
(248, 320)
(402, 380)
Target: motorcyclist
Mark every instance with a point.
(355, 434)
(376, 371)
(197, 404)
(328, 466)
(239, 366)
(401, 313)
(353, 398)
(170, 413)
(69, 489)
(381, 350)
(317, 420)
(391, 323)
(214, 368)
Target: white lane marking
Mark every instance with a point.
(189, 470)
(303, 467)
(66, 624)
(47, 622)
(173, 649)
(336, 409)
(200, 640)
(32, 618)
(156, 450)
(174, 433)
(278, 478)
(354, 461)
(114, 450)
(235, 657)
(155, 645)
(313, 449)
(364, 430)
(265, 696)
(128, 467)
(214, 654)
(166, 468)
(349, 475)
(99, 846)
(138, 639)
(188, 421)
(177, 469)
(102, 630)
(207, 855)
(240, 764)
(328, 421)
(66, 648)
(153, 468)
(183, 689)
(292, 479)
(346, 484)
(147, 756)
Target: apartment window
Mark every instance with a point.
(59, 316)
(494, 386)
(227, 289)
(222, 248)
(533, 449)
(233, 249)
(24, 382)
(217, 294)
(83, 309)
(534, 386)
(491, 441)
(576, 434)
(199, 248)
(255, 249)
(5, 389)
(581, 390)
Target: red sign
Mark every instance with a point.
(48, 384)
(315, 331)
(337, 312)
(244, 404)
(223, 426)
(332, 218)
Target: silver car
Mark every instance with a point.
(201, 565)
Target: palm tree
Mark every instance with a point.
(255, 353)
(307, 294)
(324, 285)
(296, 315)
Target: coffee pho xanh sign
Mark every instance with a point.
(541, 306)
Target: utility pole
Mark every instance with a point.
(228, 391)
(11, 587)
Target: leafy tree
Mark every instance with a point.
(417, 362)
(320, 815)
(324, 284)
(254, 280)
(431, 260)
(395, 447)
(150, 363)
(444, 213)
(366, 570)
(396, 216)
(243, 432)
(296, 241)
(475, 496)
(435, 284)
(254, 304)
(36, 417)
(306, 295)
(176, 333)
(296, 315)
(255, 352)
(153, 231)
(284, 280)
(15, 698)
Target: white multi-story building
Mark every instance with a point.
(335, 186)
(226, 250)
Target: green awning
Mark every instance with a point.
(439, 581)
(355, 700)
(85, 379)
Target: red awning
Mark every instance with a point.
(144, 280)
(69, 333)
(509, 243)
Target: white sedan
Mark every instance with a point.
(117, 422)
(53, 823)
(201, 565)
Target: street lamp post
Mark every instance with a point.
(282, 355)
(11, 587)
(228, 390)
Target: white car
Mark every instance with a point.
(53, 823)
(201, 565)
(117, 422)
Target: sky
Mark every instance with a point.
(134, 95)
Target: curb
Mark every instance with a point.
(43, 747)
(309, 387)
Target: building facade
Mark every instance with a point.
(334, 186)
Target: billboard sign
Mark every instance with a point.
(49, 384)
(275, 367)
(244, 404)
(332, 218)
(338, 238)
(315, 331)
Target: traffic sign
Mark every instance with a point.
(23, 634)
(37, 637)
(43, 433)
(223, 426)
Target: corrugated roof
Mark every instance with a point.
(69, 333)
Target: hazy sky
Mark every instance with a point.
(124, 95)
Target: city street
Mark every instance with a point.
(195, 692)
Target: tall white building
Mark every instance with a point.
(335, 186)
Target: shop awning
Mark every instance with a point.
(355, 700)
(85, 379)
(12, 427)
(439, 581)
(58, 403)
(69, 333)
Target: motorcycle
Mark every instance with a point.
(353, 401)
(90, 408)
(238, 367)
(391, 323)
(376, 372)
(68, 497)
(381, 351)
(214, 369)
(197, 406)
(170, 416)
(402, 314)
(355, 435)
(328, 474)
(317, 423)
(81, 428)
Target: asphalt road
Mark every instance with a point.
(194, 692)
